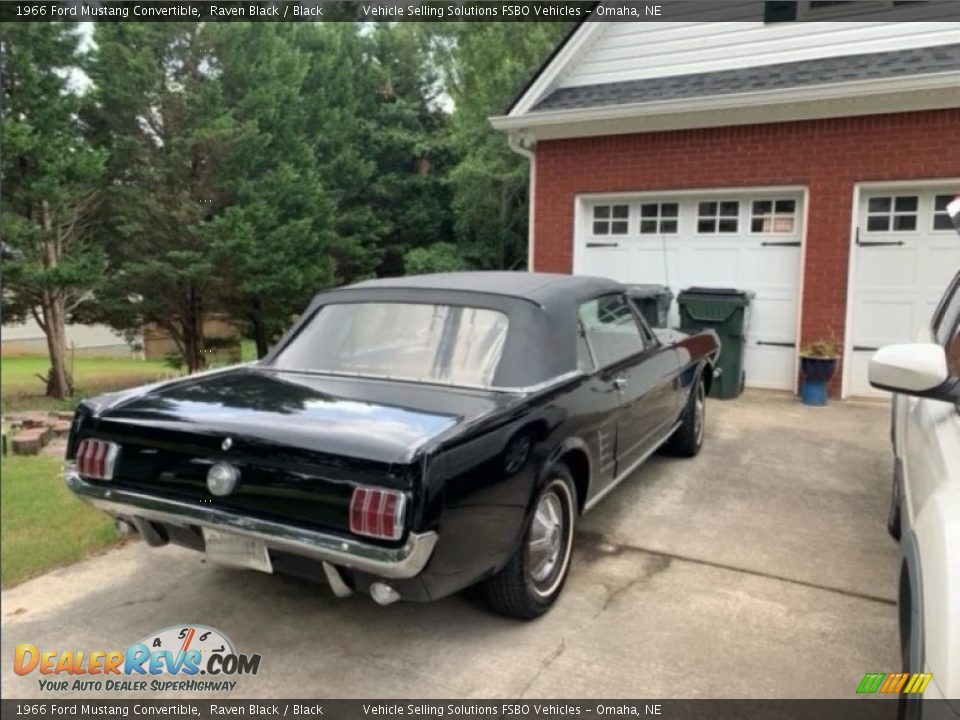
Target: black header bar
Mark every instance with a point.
(872, 708)
(471, 11)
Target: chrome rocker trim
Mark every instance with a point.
(406, 561)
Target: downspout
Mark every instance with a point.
(522, 144)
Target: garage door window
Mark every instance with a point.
(941, 221)
(892, 213)
(659, 218)
(718, 217)
(611, 219)
(773, 216)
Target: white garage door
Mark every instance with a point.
(745, 240)
(905, 253)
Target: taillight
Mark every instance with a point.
(96, 459)
(377, 513)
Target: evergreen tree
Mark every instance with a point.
(49, 187)
(381, 141)
(412, 145)
(160, 112)
(342, 125)
(273, 241)
(485, 64)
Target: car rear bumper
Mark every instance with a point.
(405, 561)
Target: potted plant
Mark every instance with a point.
(818, 363)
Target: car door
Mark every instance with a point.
(928, 442)
(931, 432)
(642, 370)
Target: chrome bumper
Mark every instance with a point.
(403, 562)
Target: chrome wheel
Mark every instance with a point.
(531, 581)
(699, 412)
(549, 538)
(545, 537)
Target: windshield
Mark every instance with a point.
(430, 343)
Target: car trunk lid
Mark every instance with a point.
(302, 443)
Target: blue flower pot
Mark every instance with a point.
(817, 373)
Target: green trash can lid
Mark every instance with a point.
(648, 290)
(741, 297)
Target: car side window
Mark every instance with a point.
(611, 329)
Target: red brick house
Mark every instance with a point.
(810, 162)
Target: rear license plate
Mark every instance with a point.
(237, 550)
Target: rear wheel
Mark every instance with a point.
(687, 440)
(533, 578)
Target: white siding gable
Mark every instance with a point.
(633, 51)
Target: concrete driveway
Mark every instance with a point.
(762, 568)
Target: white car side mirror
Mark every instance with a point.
(914, 369)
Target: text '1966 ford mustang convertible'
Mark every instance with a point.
(408, 437)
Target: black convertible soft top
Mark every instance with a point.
(542, 310)
(545, 289)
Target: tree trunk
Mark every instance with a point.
(59, 382)
(193, 345)
(53, 307)
(260, 336)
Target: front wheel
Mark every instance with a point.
(534, 576)
(687, 440)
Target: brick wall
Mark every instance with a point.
(828, 156)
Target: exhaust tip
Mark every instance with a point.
(124, 528)
(383, 594)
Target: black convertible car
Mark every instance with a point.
(408, 437)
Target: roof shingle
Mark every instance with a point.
(822, 71)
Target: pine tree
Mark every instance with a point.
(273, 241)
(485, 64)
(160, 112)
(49, 189)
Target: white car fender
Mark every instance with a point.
(937, 535)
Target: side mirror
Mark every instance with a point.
(917, 369)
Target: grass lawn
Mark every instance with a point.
(43, 525)
(23, 390)
(248, 351)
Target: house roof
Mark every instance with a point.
(549, 59)
(822, 71)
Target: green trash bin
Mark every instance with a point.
(653, 302)
(726, 311)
